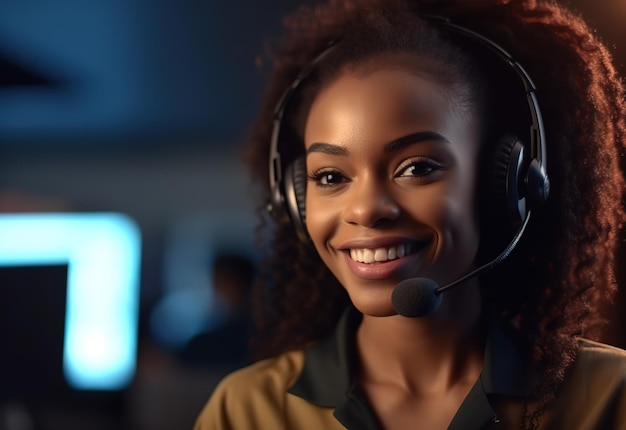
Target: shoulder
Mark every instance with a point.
(593, 394)
(594, 354)
(601, 366)
(264, 377)
(255, 393)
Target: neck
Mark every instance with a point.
(428, 353)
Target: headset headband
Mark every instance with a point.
(536, 180)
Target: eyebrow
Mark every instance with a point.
(413, 138)
(327, 148)
(393, 146)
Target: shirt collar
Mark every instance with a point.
(328, 366)
(506, 369)
(327, 376)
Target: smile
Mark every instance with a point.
(378, 255)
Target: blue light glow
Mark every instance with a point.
(103, 255)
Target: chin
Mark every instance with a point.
(375, 305)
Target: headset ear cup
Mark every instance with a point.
(295, 196)
(507, 177)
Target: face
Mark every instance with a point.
(392, 164)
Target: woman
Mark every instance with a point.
(401, 152)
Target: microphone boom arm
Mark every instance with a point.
(490, 265)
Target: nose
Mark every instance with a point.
(370, 203)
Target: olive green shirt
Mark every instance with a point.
(314, 389)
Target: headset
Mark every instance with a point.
(520, 181)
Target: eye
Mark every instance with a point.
(327, 178)
(419, 168)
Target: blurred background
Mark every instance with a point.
(126, 217)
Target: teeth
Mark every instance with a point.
(380, 254)
(369, 256)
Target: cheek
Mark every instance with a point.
(449, 208)
(460, 215)
(320, 220)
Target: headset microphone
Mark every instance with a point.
(418, 297)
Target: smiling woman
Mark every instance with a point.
(407, 152)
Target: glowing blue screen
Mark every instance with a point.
(102, 251)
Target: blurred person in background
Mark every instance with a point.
(226, 344)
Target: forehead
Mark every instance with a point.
(382, 95)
